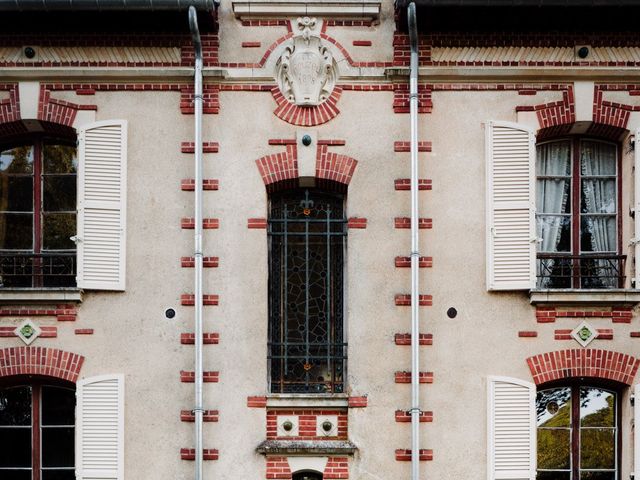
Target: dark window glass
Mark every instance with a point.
(57, 230)
(59, 159)
(65, 474)
(16, 231)
(307, 234)
(15, 447)
(58, 406)
(59, 193)
(15, 474)
(589, 412)
(15, 406)
(17, 160)
(16, 193)
(307, 476)
(57, 446)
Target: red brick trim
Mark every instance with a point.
(307, 421)
(63, 313)
(58, 111)
(405, 184)
(546, 314)
(189, 300)
(404, 300)
(405, 377)
(362, 43)
(634, 334)
(358, 402)
(278, 468)
(10, 107)
(251, 44)
(189, 223)
(47, 332)
(405, 339)
(404, 416)
(401, 98)
(565, 334)
(190, 454)
(207, 416)
(210, 99)
(336, 468)
(189, 184)
(208, 338)
(332, 166)
(309, 115)
(265, 23)
(404, 455)
(279, 167)
(423, 146)
(405, 222)
(207, 377)
(405, 262)
(83, 331)
(49, 362)
(257, 223)
(207, 262)
(592, 363)
(357, 222)
(207, 147)
(256, 402)
(527, 334)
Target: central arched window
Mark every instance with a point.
(577, 214)
(307, 476)
(578, 429)
(37, 430)
(38, 213)
(307, 239)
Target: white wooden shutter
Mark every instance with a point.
(102, 172)
(511, 242)
(100, 428)
(636, 239)
(511, 429)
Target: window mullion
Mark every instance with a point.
(575, 432)
(306, 292)
(284, 327)
(328, 287)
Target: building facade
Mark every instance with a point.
(528, 195)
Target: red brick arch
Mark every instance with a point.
(49, 362)
(565, 364)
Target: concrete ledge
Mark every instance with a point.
(10, 295)
(307, 401)
(359, 9)
(584, 296)
(311, 447)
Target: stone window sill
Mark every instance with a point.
(40, 295)
(584, 296)
(306, 447)
(300, 400)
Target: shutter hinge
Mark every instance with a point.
(75, 239)
(632, 399)
(634, 241)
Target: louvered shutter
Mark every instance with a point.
(511, 429)
(100, 428)
(102, 182)
(637, 209)
(511, 243)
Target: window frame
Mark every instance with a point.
(36, 383)
(575, 384)
(576, 215)
(37, 142)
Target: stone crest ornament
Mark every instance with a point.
(306, 71)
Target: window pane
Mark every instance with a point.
(59, 193)
(597, 448)
(59, 159)
(15, 474)
(554, 159)
(57, 228)
(57, 446)
(553, 195)
(15, 447)
(58, 406)
(553, 407)
(598, 476)
(15, 406)
(16, 193)
(555, 232)
(598, 234)
(597, 407)
(59, 474)
(598, 196)
(17, 160)
(553, 476)
(597, 158)
(554, 448)
(16, 231)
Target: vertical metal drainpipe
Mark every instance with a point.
(197, 102)
(415, 254)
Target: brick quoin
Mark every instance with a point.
(405, 262)
(405, 377)
(336, 468)
(561, 364)
(190, 376)
(207, 147)
(210, 99)
(189, 300)
(358, 402)
(207, 262)
(256, 402)
(404, 300)
(49, 362)
(189, 184)
(405, 339)
(278, 468)
(63, 313)
(207, 416)
(208, 338)
(357, 222)
(189, 223)
(405, 184)
(404, 416)
(404, 455)
(405, 222)
(406, 146)
(401, 98)
(257, 223)
(190, 454)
